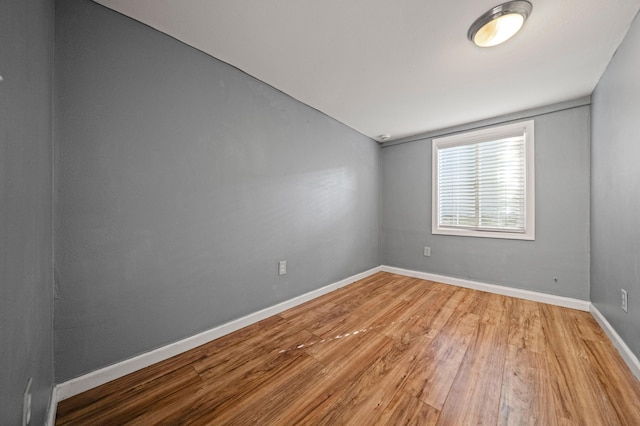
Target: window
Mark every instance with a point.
(483, 183)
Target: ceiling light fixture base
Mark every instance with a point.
(500, 23)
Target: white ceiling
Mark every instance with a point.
(400, 67)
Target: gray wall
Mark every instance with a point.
(26, 220)
(561, 248)
(615, 199)
(181, 183)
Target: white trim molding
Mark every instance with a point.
(584, 305)
(520, 134)
(53, 407)
(627, 355)
(111, 372)
(567, 302)
(96, 378)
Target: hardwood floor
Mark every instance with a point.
(386, 350)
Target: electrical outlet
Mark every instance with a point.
(427, 251)
(625, 299)
(282, 267)
(26, 404)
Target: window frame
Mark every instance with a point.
(525, 128)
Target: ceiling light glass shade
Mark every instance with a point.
(499, 24)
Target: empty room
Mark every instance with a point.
(319, 212)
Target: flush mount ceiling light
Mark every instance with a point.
(499, 24)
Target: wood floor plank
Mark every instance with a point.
(346, 363)
(586, 327)
(472, 398)
(578, 392)
(525, 327)
(318, 316)
(475, 394)
(386, 350)
(405, 409)
(342, 294)
(372, 298)
(371, 315)
(425, 315)
(255, 406)
(139, 398)
(438, 315)
(242, 336)
(174, 410)
(117, 389)
(436, 366)
(526, 391)
(367, 396)
(613, 374)
(228, 369)
(263, 336)
(369, 290)
(228, 396)
(277, 397)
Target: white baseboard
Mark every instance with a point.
(535, 296)
(99, 377)
(53, 407)
(114, 371)
(627, 355)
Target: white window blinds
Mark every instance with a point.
(481, 184)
